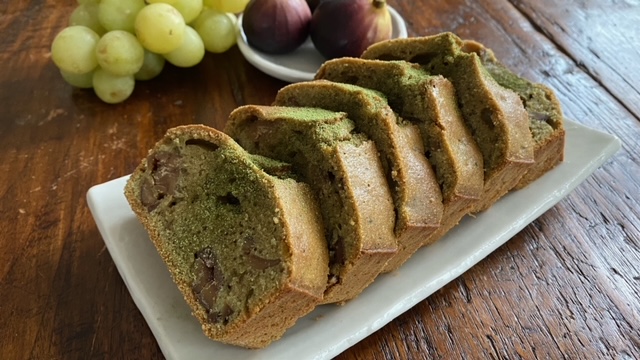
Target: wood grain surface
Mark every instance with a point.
(566, 287)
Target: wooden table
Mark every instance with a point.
(567, 286)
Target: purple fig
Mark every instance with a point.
(276, 26)
(347, 27)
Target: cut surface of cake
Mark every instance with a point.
(417, 195)
(430, 103)
(346, 175)
(242, 240)
(546, 121)
(495, 115)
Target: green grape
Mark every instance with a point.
(160, 28)
(190, 53)
(81, 2)
(152, 66)
(112, 88)
(230, 6)
(87, 15)
(217, 30)
(83, 81)
(74, 49)
(119, 14)
(190, 9)
(120, 53)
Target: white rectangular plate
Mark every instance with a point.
(331, 329)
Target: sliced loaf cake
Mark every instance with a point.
(495, 115)
(417, 195)
(246, 248)
(430, 103)
(345, 173)
(545, 113)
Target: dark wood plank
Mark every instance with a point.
(603, 46)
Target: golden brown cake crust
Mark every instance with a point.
(366, 184)
(545, 112)
(354, 165)
(495, 115)
(417, 195)
(429, 102)
(306, 256)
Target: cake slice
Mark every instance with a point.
(545, 113)
(245, 247)
(416, 193)
(344, 172)
(495, 115)
(430, 103)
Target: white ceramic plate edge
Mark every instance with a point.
(331, 329)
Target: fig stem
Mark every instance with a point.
(379, 4)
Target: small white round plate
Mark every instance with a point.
(303, 63)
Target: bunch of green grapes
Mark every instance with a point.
(109, 44)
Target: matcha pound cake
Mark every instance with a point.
(545, 113)
(430, 103)
(495, 115)
(416, 193)
(242, 240)
(344, 172)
